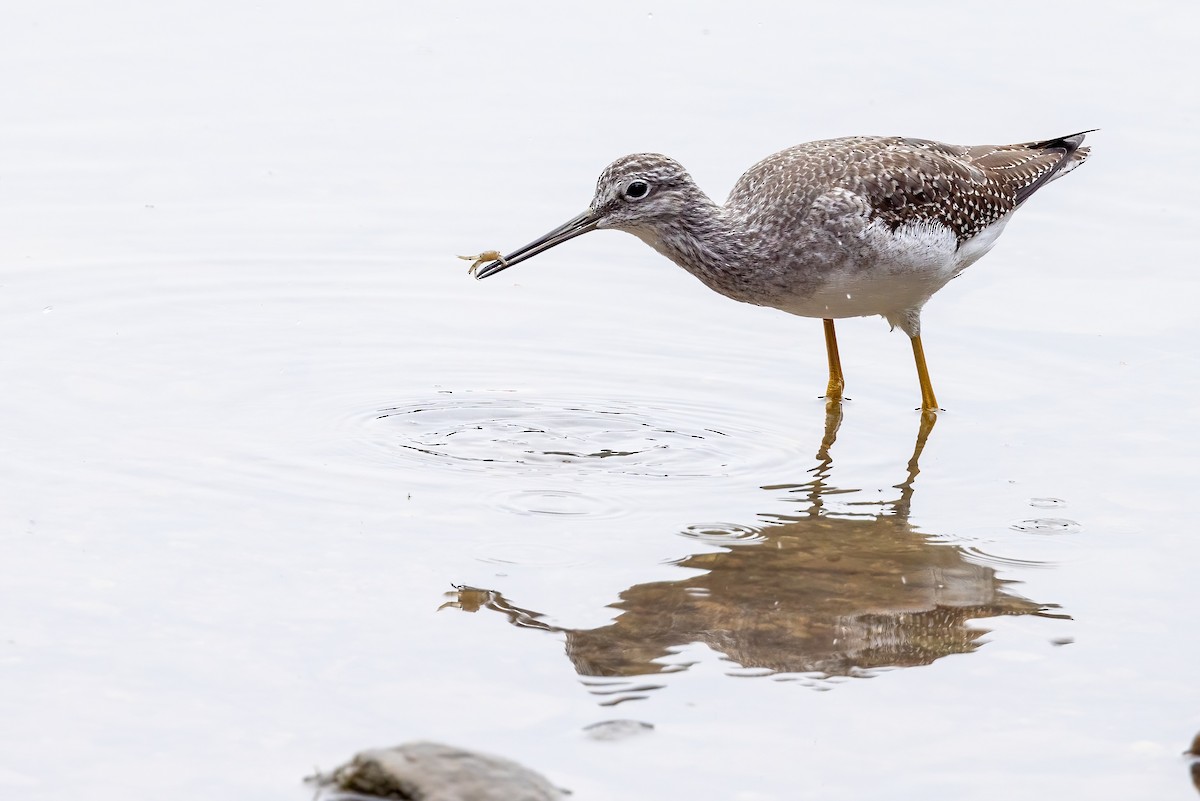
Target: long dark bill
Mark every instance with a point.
(580, 225)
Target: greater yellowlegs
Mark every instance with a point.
(838, 228)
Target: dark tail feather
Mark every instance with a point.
(1072, 155)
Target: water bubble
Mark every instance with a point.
(1047, 503)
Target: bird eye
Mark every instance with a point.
(637, 190)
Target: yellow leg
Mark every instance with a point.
(836, 382)
(928, 401)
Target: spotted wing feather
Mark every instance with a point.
(906, 180)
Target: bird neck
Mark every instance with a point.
(705, 241)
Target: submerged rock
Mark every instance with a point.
(425, 771)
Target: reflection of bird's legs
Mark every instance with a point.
(836, 382)
(928, 418)
(833, 403)
(833, 421)
(927, 422)
(816, 487)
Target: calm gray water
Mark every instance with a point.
(257, 423)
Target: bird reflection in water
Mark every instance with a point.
(1193, 755)
(818, 594)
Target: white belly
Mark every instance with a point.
(893, 274)
(862, 294)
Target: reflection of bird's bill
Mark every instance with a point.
(569, 230)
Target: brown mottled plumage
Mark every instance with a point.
(963, 188)
(836, 228)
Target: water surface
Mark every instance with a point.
(281, 482)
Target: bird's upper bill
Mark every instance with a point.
(569, 230)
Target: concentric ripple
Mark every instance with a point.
(986, 554)
(1034, 545)
(556, 503)
(504, 431)
(724, 534)
(529, 554)
(1047, 525)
